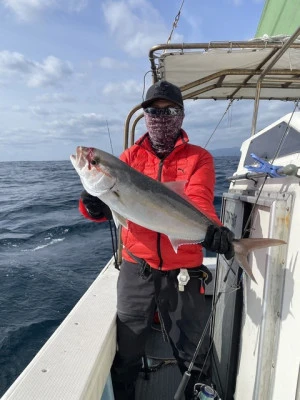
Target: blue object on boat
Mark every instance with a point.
(265, 167)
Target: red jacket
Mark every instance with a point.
(186, 162)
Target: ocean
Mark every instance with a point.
(49, 253)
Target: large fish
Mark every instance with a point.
(161, 207)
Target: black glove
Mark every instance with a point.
(219, 239)
(95, 207)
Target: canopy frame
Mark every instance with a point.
(272, 77)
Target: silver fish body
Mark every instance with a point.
(154, 205)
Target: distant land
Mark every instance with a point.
(228, 152)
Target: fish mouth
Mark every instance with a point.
(81, 158)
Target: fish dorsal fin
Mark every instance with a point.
(119, 220)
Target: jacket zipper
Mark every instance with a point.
(159, 234)
(161, 163)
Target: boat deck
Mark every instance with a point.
(161, 384)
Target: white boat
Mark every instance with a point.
(255, 326)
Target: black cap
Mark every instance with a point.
(163, 90)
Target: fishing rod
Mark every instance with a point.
(187, 375)
(111, 147)
(112, 226)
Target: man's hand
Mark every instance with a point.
(219, 239)
(95, 207)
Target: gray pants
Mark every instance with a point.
(183, 317)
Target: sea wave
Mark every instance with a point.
(53, 241)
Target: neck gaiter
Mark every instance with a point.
(163, 132)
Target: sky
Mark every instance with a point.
(72, 70)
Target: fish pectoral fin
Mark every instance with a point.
(177, 186)
(175, 242)
(119, 220)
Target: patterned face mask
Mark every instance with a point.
(163, 132)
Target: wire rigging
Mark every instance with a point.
(175, 23)
(218, 124)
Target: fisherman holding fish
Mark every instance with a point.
(162, 260)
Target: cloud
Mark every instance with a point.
(203, 118)
(136, 25)
(82, 126)
(78, 127)
(37, 111)
(127, 87)
(11, 62)
(22, 137)
(29, 10)
(18, 109)
(76, 5)
(52, 71)
(194, 22)
(56, 98)
(111, 63)
(43, 112)
(130, 90)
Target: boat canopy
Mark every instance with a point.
(232, 70)
(267, 68)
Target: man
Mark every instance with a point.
(150, 268)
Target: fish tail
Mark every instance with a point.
(243, 246)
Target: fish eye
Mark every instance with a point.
(95, 161)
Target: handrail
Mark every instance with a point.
(127, 124)
(138, 118)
